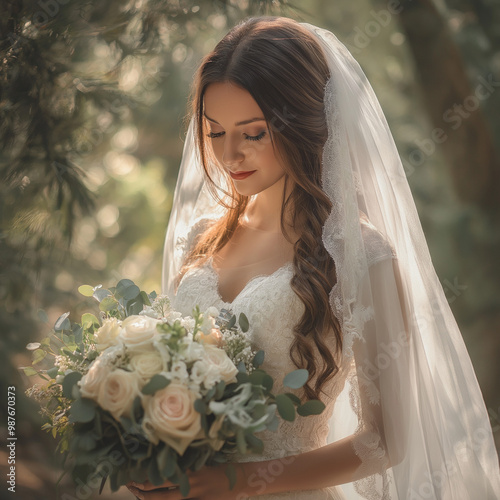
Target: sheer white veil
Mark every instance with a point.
(411, 399)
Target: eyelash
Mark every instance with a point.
(214, 135)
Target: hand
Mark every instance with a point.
(209, 483)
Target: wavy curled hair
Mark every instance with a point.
(284, 69)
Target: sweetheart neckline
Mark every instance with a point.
(210, 266)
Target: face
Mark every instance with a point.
(240, 138)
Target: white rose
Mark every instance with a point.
(117, 393)
(92, 380)
(107, 335)
(169, 416)
(218, 359)
(138, 332)
(147, 364)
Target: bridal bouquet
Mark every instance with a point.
(146, 393)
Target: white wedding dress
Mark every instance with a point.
(272, 308)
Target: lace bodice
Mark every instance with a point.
(272, 309)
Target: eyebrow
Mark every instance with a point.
(244, 122)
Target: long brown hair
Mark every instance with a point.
(284, 69)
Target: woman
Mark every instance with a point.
(292, 206)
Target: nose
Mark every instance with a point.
(231, 155)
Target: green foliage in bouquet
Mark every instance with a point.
(110, 377)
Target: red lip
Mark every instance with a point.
(242, 175)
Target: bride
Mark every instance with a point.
(292, 206)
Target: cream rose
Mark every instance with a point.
(107, 335)
(221, 362)
(92, 380)
(147, 364)
(138, 332)
(170, 416)
(117, 393)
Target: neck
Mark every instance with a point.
(264, 209)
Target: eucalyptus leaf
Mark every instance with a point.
(184, 484)
(241, 442)
(62, 323)
(29, 371)
(122, 286)
(258, 359)
(52, 373)
(154, 474)
(286, 408)
(294, 398)
(296, 379)
(156, 383)
(231, 475)
(69, 381)
(243, 321)
(108, 304)
(312, 407)
(90, 321)
(231, 322)
(38, 355)
(82, 410)
(86, 290)
(100, 294)
(42, 316)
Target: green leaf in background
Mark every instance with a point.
(100, 294)
(29, 371)
(296, 379)
(108, 304)
(90, 321)
(42, 316)
(86, 290)
(38, 355)
(156, 383)
(243, 321)
(312, 407)
(69, 381)
(62, 323)
(286, 408)
(82, 410)
(52, 373)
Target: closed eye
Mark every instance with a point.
(214, 135)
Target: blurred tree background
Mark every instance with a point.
(92, 102)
